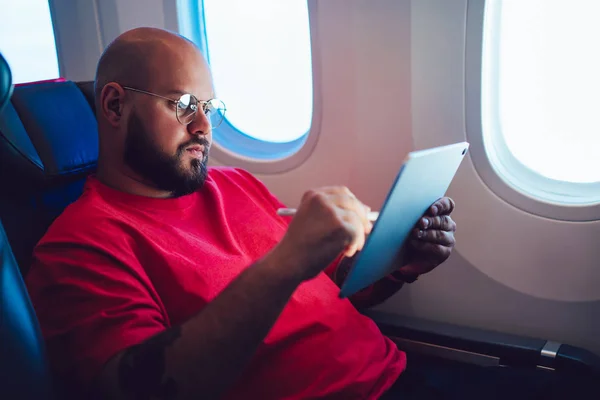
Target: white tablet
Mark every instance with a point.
(423, 179)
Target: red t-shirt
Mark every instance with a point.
(115, 269)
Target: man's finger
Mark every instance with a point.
(369, 228)
(441, 222)
(350, 203)
(435, 236)
(355, 224)
(433, 251)
(350, 251)
(443, 206)
(343, 191)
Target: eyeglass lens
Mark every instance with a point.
(187, 107)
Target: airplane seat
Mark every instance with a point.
(48, 145)
(24, 370)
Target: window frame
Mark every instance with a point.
(495, 164)
(234, 147)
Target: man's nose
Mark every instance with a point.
(200, 125)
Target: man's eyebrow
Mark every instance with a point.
(179, 92)
(182, 92)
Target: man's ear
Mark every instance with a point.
(111, 102)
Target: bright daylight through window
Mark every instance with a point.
(27, 40)
(260, 57)
(540, 86)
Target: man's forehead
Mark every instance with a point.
(181, 70)
(188, 79)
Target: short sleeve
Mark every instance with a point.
(90, 307)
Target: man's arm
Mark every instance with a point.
(204, 356)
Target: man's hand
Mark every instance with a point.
(432, 239)
(328, 221)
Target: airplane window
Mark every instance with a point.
(27, 40)
(260, 57)
(540, 84)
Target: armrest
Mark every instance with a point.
(577, 359)
(482, 346)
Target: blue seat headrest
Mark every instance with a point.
(49, 133)
(6, 86)
(48, 146)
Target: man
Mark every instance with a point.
(167, 279)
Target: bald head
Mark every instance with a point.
(137, 57)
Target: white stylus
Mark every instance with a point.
(290, 212)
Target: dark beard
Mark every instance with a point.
(163, 171)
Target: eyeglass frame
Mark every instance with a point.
(202, 103)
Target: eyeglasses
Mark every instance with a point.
(186, 107)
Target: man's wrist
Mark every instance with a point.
(285, 265)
